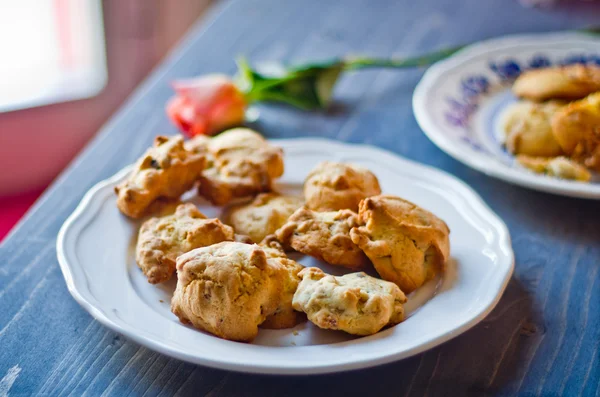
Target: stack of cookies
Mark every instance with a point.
(554, 128)
(234, 276)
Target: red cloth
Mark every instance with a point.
(13, 208)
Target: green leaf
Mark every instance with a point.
(307, 87)
(310, 86)
(325, 83)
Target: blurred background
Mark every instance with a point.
(66, 66)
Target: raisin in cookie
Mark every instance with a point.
(407, 244)
(355, 303)
(227, 289)
(165, 171)
(562, 82)
(241, 163)
(162, 240)
(332, 186)
(324, 235)
(263, 215)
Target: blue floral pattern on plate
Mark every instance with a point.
(460, 102)
(472, 88)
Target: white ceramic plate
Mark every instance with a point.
(95, 253)
(458, 103)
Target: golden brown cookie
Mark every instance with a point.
(285, 316)
(227, 289)
(242, 238)
(576, 128)
(528, 128)
(286, 271)
(165, 171)
(324, 235)
(241, 163)
(407, 244)
(332, 186)
(355, 303)
(559, 167)
(561, 82)
(198, 144)
(162, 240)
(273, 247)
(263, 215)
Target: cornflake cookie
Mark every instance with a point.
(528, 129)
(241, 163)
(286, 271)
(165, 171)
(564, 82)
(162, 240)
(272, 247)
(577, 129)
(198, 145)
(227, 289)
(324, 235)
(560, 167)
(355, 303)
(263, 215)
(242, 238)
(407, 244)
(332, 186)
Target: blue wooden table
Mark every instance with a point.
(542, 339)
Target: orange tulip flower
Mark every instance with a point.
(206, 105)
(211, 103)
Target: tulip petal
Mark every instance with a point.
(206, 104)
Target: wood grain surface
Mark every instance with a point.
(542, 339)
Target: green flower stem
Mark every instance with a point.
(420, 61)
(310, 86)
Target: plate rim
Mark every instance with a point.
(477, 160)
(465, 192)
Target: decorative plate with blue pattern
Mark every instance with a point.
(459, 101)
